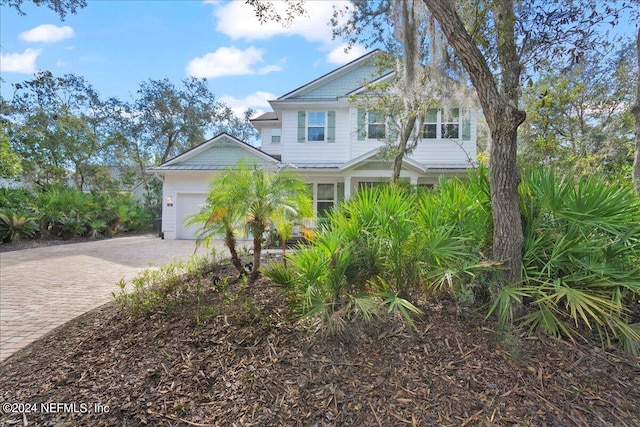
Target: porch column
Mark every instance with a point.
(347, 187)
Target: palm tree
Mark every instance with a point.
(262, 199)
(219, 217)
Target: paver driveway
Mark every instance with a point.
(43, 288)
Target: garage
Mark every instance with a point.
(188, 204)
(187, 179)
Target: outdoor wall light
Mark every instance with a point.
(169, 201)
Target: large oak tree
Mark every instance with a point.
(497, 42)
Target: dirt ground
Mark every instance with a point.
(236, 358)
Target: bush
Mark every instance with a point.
(380, 249)
(165, 288)
(68, 213)
(581, 263)
(15, 226)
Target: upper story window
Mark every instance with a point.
(430, 127)
(373, 124)
(275, 135)
(451, 124)
(376, 125)
(445, 124)
(316, 126)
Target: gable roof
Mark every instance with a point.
(371, 156)
(329, 86)
(201, 157)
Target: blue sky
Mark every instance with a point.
(116, 45)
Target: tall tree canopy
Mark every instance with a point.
(578, 118)
(169, 119)
(57, 125)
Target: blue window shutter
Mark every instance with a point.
(362, 124)
(331, 126)
(466, 129)
(301, 126)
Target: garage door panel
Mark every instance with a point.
(188, 204)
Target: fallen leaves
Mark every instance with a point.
(256, 367)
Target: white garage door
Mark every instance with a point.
(188, 204)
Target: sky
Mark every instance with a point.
(117, 44)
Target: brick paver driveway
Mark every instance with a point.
(43, 288)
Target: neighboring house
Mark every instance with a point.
(317, 131)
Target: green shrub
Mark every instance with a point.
(68, 213)
(581, 258)
(165, 288)
(14, 198)
(376, 252)
(15, 226)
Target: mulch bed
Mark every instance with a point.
(245, 363)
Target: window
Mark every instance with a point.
(445, 124)
(451, 124)
(325, 199)
(376, 126)
(430, 127)
(275, 136)
(316, 126)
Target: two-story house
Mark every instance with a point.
(331, 141)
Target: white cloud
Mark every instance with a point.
(237, 20)
(229, 61)
(47, 33)
(24, 62)
(259, 101)
(339, 56)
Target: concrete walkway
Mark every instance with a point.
(43, 288)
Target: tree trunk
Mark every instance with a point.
(500, 107)
(635, 110)
(257, 250)
(505, 205)
(402, 148)
(230, 241)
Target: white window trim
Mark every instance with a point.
(385, 123)
(279, 135)
(307, 126)
(440, 123)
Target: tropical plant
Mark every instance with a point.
(14, 198)
(377, 250)
(581, 262)
(68, 212)
(216, 221)
(259, 198)
(15, 225)
(71, 227)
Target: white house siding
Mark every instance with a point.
(315, 152)
(433, 152)
(177, 189)
(274, 149)
(429, 152)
